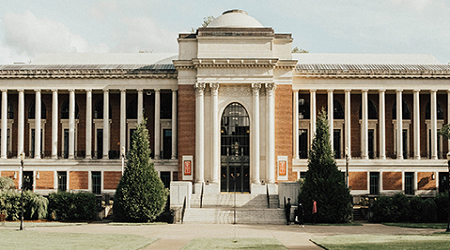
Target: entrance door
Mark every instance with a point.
(235, 149)
(27, 180)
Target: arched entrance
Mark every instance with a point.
(235, 149)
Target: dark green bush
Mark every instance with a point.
(429, 212)
(6, 183)
(68, 206)
(416, 204)
(35, 205)
(441, 201)
(384, 210)
(401, 201)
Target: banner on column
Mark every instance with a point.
(282, 167)
(187, 167)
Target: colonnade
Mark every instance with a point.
(381, 121)
(89, 122)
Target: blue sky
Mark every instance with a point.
(29, 27)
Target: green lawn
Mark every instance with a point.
(418, 225)
(436, 241)
(15, 239)
(244, 243)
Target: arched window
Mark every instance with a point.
(10, 114)
(32, 110)
(132, 110)
(338, 111)
(65, 110)
(406, 113)
(98, 110)
(373, 114)
(235, 129)
(440, 112)
(303, 109)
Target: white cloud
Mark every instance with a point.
(29, 35)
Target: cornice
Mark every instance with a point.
(235, 63)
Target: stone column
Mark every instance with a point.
(71, 124)
(88, 124)
(105, 124)
(348, 127)
(157, 124)
(382, 125)
(433, 112)
(295, 124)
(37, 125)
(199, 135)
(123, 118)
(174, 124)
(270, 97)
(4, 149)
(364, 127)
(215, 171)
(312, 115)
(330, 117)
(54, 124)
(255, 146)
(399, 124)
(417, 124)
(140, 105)
(21, 123)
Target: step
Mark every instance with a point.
(226, 216)
(230, 200)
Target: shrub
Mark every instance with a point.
(429, 212)
(6, 183)
(140, 195)
(416, 204)
(384, 210)
(441, 201)
(401, 201)
(35, 205)
(67, 206)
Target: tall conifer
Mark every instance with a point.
(140, 195)
(323, 182)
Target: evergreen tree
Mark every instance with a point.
(323, 182)
(140, 195)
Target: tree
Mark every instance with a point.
(445, 131)
(297, 50)
(6, 183)
(140, 195)
(323, 182)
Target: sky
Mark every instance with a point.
(32, 27)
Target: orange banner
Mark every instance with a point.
(282, 168)
(187, 168)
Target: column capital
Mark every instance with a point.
(88, 90)
(199, 88)
(214, 86)
(140, 90)
(348, 90)
(364, 90)
(71, 90)
(330, 90)
(4, 90)
(399, 90)
(256, 87)
(270, 88)
(37, 90)
(105, 90)
(157, 90)
(382, 90)
(123, 90)
(312, 90)
(55, 90)
(295, 90)
(417, 90)
(22, 90)
(174, 90)
(433, 90)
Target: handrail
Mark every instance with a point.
(268, 197)
(183, 210)
(201, 195)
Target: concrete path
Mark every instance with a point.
(175, 236)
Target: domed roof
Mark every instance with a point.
(235, 19)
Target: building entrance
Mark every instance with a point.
(235, 149)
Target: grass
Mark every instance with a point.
(35, 240)
(240, 243)
(136, 223)
(436, 241)
(418, 225)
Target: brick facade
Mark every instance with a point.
(425, 181)
(78, 180)
(46, 180)
(283, 126)
(186, 124)
(111, 179)
(392, 181)
(357, 180)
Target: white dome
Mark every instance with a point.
(235, 19)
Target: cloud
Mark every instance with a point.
(26, 34)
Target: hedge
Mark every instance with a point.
(35, 205)
(68, 206)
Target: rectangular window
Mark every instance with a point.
(165, 177)
(443, 182)
(96, 182)
(62, 180)
(303, 143)
(409, 183)
(405, 143)
(371, 143)
(167, 144)
(337, 144)
(374, 182)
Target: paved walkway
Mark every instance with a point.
(175, 236)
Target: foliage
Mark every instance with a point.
(442, 201)
(384, 210)
(140, 195)
(297, 50)
(35, 205)
(6, 183)
(401, 201)
(68, 206)
(416, 204)
(429, 213)
(445, 131)
(324, 182)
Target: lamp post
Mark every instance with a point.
(22, 156)
(346, 166)
(448, 219)
(123, 158)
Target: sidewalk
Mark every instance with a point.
(175, 236)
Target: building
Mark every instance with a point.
(234, 104)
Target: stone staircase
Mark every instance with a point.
(358, 215)
(220, 209)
